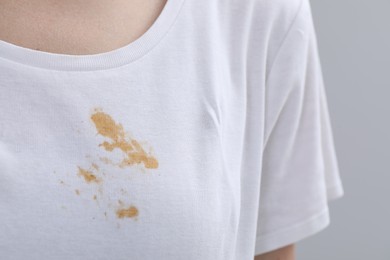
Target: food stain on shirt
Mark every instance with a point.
(106, 160)
(94, 165)
(63, 183)
(134, 152)
(88, 175)
(127, 212)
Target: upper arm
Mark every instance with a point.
(300, 173)
(284, 253)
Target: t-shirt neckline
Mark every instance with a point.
(100, 61)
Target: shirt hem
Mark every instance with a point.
(292, 234)
(335, 191)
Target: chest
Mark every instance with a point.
(138, 159)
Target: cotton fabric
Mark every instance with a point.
(209, 137)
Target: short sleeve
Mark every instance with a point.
(300, 172)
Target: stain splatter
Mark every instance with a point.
(88, 175)
(63, 183)
(94, 165)
(106, 160)
(129, 212)
(134, 152)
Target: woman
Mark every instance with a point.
(171, 129)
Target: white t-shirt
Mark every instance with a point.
(207, 138)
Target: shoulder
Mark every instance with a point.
(278, 16)
(278, 8)
(282, 12)
(269, 22)
(262, 20)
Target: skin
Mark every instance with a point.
(283, 253)
(76, 26)
(80, 27)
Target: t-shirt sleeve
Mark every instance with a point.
(300, 173)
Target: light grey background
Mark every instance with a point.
(354, 44)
